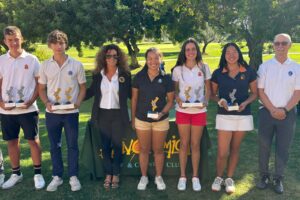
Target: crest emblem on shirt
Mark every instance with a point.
(70, 73)
(25, 66)
(290, 73)
(159, 80)
(243, 76)
(121, 79)
(199, 74)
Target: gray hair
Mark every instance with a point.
(287, 36)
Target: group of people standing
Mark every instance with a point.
(234, 86)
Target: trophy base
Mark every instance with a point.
(63, 106)
(10, 105)
(233, 108)
(20, 105)
(152, 115)
(191, 105)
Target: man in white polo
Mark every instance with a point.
(279, 92)
(18, 83)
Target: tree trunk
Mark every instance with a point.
(255, 52)
(204, 48)
(133, 51)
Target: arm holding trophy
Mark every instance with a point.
(81, 95)
(252, 97)
(44, 98)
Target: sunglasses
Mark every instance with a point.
(277, 44)
(108, 56)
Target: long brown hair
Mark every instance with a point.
(122, 63)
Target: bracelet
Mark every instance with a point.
(220, 102)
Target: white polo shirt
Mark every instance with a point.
(193, 78)
(110, 92)
(69, 75)
(279, 81)
(17, 73)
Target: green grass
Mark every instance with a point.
(245, 175)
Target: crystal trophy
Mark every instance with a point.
(20, 103)
(187, 103)
(232, 105)
(152, 114)
(10, 103)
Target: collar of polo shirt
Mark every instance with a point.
(241, 69)
(23, 54)
(288, 61)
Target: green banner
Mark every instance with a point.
(91, 154)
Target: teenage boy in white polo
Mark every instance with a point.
(62, 79)
(279, 91)
(18, 81)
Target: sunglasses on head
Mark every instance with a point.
(284, 43)
(108, 56)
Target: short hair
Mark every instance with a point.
(287, 36)
(11, 30)
(57, 36)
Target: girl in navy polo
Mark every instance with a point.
(191, 77)
(152, 98)
(230, 88)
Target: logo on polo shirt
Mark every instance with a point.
(159, 80)
(290, 73)
(199, 74)
(70, 73)
(26, 66)
(243, 76)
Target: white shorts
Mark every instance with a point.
(234, 122)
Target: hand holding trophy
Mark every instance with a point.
(187, 103)
(232, 105)
(152, 114)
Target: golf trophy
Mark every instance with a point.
(20, 103)
(232, 105)
(10, 103)
(58, 105)
(152, 114)
(187, 103)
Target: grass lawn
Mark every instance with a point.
(245, 175)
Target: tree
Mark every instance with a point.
(255, 21)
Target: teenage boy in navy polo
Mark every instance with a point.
(18, 81)
(62, 79)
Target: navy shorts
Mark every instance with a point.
(11, 124)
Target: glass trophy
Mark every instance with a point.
(187, 103)
(152, 114)
(10, 103)
(58, 105)
(232, 105)
(20, 103)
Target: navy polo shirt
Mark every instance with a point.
(149, 90)
(240, 84)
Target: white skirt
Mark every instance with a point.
(234, 122)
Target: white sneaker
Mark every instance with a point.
(56, 181)
(229, 185)
(12, 181)
(143, 183)
(39, 181)
(181, 184)
(160, 184)
(196, 184)
(75, 184)
(2, 177)
(217, 184)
